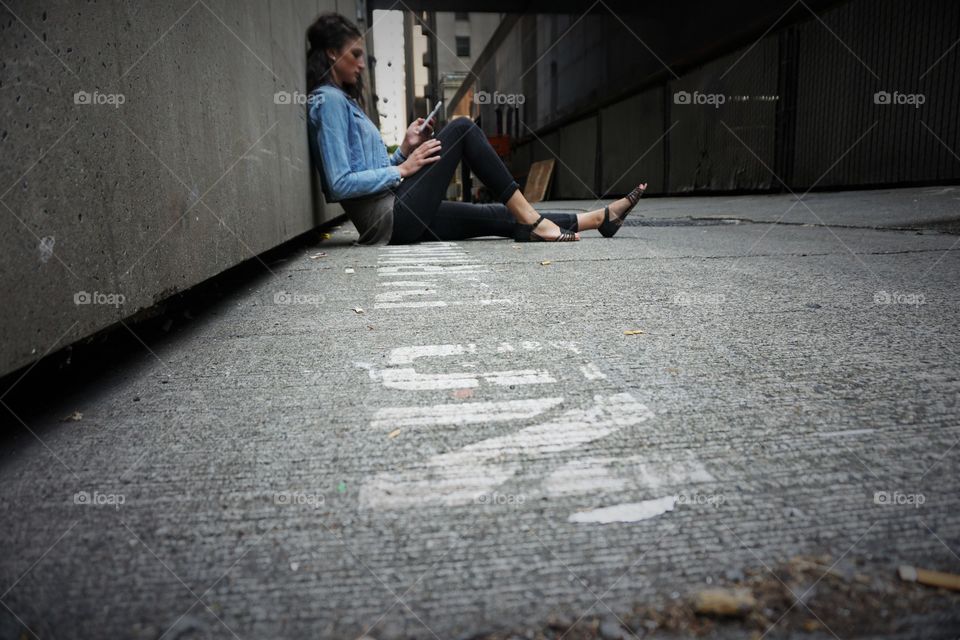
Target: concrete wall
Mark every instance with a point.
(197, 170)
(632, 142)
(575, 176)
(724, 146)
(796, 102)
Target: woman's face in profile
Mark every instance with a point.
(349, 63)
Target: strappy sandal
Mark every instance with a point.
(608, 227)
(525, 233)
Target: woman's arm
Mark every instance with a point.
(332, 133)
(398, 157)
(412, 139)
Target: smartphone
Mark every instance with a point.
(430, 117)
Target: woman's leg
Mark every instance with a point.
(419, 196)
(462, 220)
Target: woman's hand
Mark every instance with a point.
(413, 138)
(421, 157)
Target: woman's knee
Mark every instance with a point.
(460, 125)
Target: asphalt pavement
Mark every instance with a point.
(466, 439)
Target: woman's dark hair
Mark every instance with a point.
(330, 31)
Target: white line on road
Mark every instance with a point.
(592, 372)
(431, 270)
(627, 512)
(462, 414)
(408, 379)
(593, 475)
(460, 476)
(407, 355)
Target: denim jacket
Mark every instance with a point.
(346, 147)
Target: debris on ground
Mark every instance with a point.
(316, 256)
(349, 270)
(358, 309)
(546, 262)
(633, 332)
(736, 603)
(808, 594)
(76, 416)
(930, 578)
(393, 434)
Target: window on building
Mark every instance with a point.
(461, 15)
(463, 46)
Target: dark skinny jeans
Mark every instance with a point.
(421, 214)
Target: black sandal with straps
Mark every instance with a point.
(608, 227)
(525, 233)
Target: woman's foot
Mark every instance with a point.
(546, 229)
(615, 213)
(528, 233)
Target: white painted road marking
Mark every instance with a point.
(463, 413)
(627, 512)
(459, 477)
(591, 372)
(406, 355)
(409, 380)
(432, 270)
(595, 475)
(429, 260)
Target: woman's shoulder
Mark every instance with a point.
(331, 99)
(327, 93)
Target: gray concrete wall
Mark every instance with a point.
(578, 148)
(632, 143)
(798, 104)
(724, 119)
(198, 169)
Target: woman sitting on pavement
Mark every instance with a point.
(398, 199)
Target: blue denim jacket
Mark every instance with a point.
(346, 147)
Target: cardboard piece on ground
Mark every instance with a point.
(930, 578)
(538, 180)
